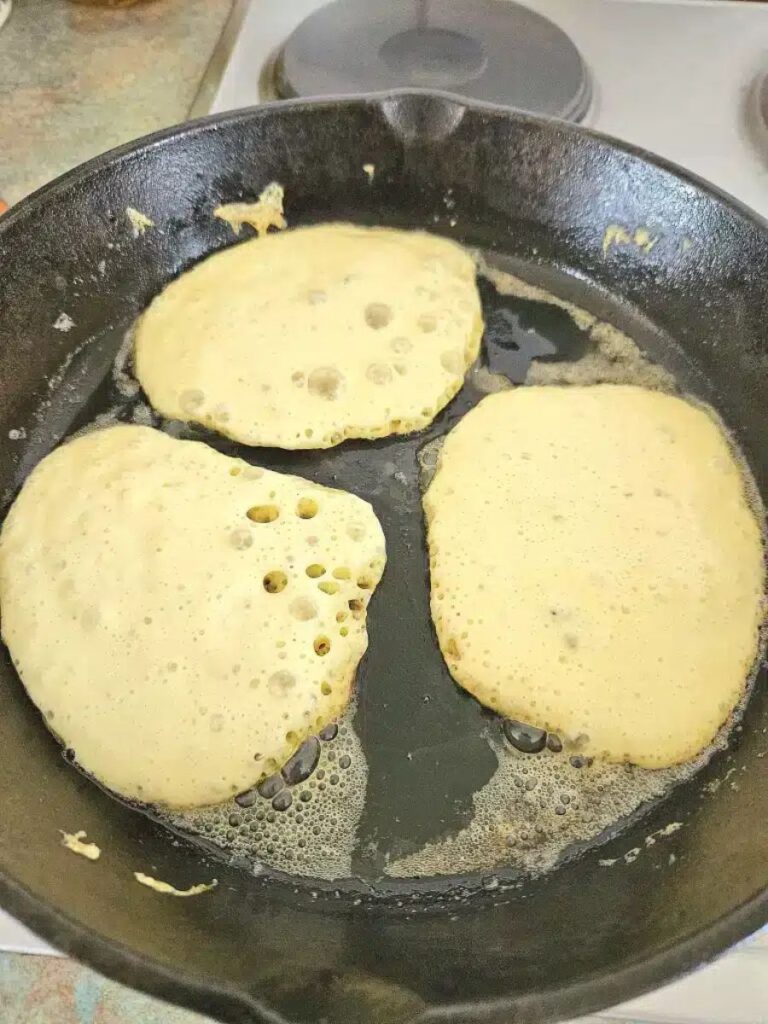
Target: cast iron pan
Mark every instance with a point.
(537, 195)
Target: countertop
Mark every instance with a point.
(78, 80)
(54, 990)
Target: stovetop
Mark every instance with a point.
(678, 77)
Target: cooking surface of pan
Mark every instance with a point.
(542, 200)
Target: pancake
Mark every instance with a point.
(303, 338)
(182, 619)
(597, 567)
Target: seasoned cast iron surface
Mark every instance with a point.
(537, 197)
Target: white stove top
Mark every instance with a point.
(677, 77)
(674, 76)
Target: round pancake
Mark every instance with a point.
(182, 619)
(303, 338)
(596, 567)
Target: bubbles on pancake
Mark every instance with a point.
(282, 681)
(325, 382)
(575, 760)
(220, 414)
(191, 401)
(751, 491)
(367, 320)
(307, 508)
(174, 679)
(452, 361)
(301, 820)
(275, 581)
(536, 806)
(241, 539)
(402, 346)
(379, 373)
(609, 559)
(303, 609)
(263, 513)
(378, 315)
(322, 646)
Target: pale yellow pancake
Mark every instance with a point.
(303, 338)
(183, 620)
(596, 567)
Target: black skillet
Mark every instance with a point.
(538, 195)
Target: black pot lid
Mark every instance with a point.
(492, 50)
